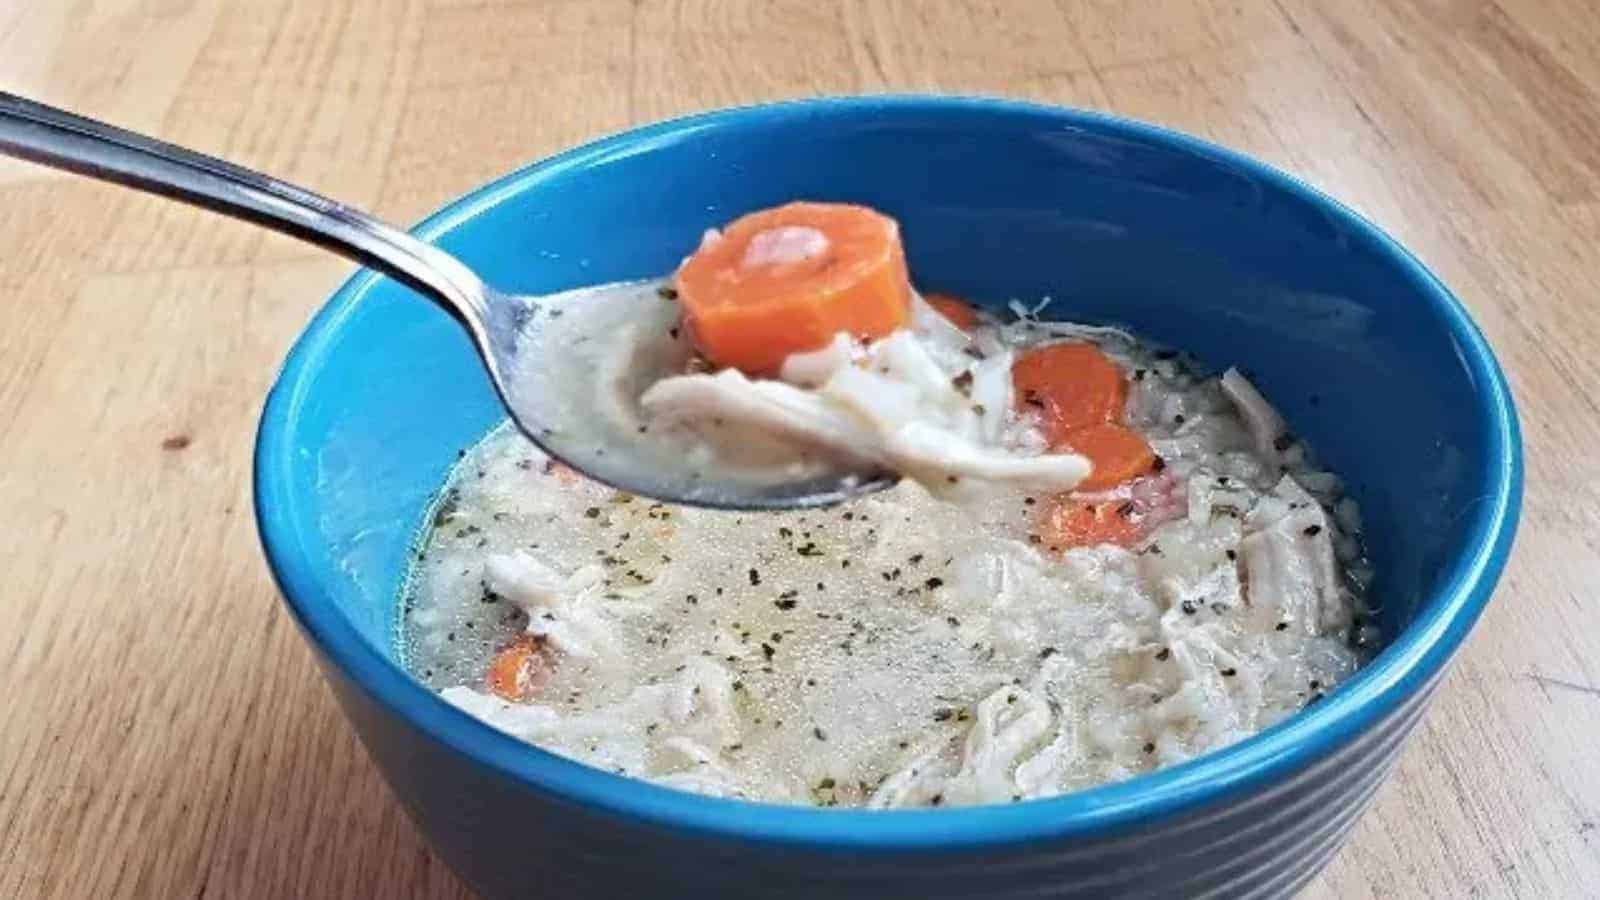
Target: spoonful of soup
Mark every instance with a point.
(787, 363)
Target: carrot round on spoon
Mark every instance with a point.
(786, 280)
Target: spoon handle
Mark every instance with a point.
(54, 137)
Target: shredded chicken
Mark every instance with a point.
(1289, 562)
(1266, 426)
(891, 405)
(562, 609)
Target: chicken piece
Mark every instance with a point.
(1291, 577)
(1009, 725)
(1266, 426)
(898, 411)
(562, 609)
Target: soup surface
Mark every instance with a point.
(953, 640)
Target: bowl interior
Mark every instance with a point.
(1363, 353)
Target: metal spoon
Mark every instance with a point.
(499, 323)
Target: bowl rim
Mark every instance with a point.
(1407, 667)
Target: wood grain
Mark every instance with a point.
(165, 733)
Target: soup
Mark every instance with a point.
(985, 634)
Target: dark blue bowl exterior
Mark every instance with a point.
(1365, 352)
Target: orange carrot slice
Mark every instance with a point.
(958, 311)
(1116, 452)
(518, 670)
(786, 280)
(1067, 522)
(1068, 386)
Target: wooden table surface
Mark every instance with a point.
(164, 732)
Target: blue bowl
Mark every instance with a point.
(1367, 355)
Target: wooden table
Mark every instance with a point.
(164, 732)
